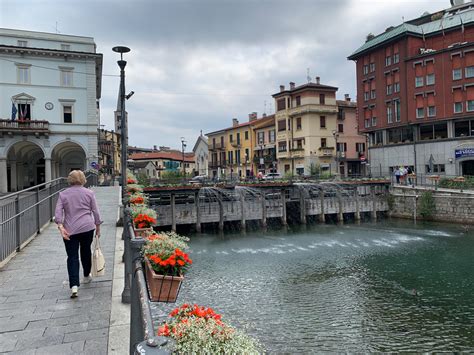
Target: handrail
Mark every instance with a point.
(13, 194)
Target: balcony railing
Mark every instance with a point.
(218, 145)
(25, 126)
(235, 144)
(217, 164)
(326, 151)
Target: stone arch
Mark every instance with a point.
(67, 155)
(25, 165)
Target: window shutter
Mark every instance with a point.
(389, 80)
(366, 87)
(367, 113)
(397, 77)
(469, 59)
(457, 94)
(372, 85)
(456, 61)
(388, 51)
(395, 48)
(430, 67)
(366, 60)
(419, 101)
(418, 70)
(431, 99)
(470, 93)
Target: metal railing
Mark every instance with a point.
(25, 213)
(24, 125)
(143, 336)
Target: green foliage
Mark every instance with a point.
(143, 179)
(288, 175)
(314, 169)
(467, 184)
(427, 204)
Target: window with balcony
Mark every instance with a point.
(340, 128)
(470, 72)
(261, 137)
(322, 121)
(389, 114)
(431, 111)
(214, 143)
(298, 123)
(24, 111)
(388, 61)
(298, 100)
(322, 99)
(341, 147)
(420, 112)
(238, 138)
(281, 104)
(396, 87)
(324, 142)
(231, 138)
(299, 144)
(281, 125)
(222, 142)
(237, 157)
(282, 146)
(418, 81)
(231, 157)
(341, 114)
(246, 135)
(289, 124)
(457, 74)
(457, 107)
(67, 114)
(247, 155)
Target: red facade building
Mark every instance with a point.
(415, 94)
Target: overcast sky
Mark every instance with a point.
(196, 64)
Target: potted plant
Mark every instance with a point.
(143, 220)
(133, 188)
(137, 199)
(165, 263)
(198, 329)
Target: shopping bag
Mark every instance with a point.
(98, 260)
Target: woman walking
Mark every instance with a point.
(77, 216)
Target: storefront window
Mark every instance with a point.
(461, 129)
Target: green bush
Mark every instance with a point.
(427, 204)
(467, 184)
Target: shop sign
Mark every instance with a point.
(464, 152)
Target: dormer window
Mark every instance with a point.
(22, 43)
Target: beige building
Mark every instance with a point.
(264, 136)
(315, 133)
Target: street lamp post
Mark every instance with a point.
(183, 147)
(336, 135)
(123, 140)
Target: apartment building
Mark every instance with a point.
(310, 133)
(49, 107)
(165, 161)
(415, 93)
(109, 154)
(264, 136)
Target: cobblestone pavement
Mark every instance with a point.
(37, 316)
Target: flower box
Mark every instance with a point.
(162, 288)
(143, 232)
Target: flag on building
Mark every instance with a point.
(14, 111)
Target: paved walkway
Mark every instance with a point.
(37, 316)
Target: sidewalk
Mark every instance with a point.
(37, 316)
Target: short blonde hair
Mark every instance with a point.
(76, 177)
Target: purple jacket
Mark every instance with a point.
(77, 210)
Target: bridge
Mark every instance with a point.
(299, 202)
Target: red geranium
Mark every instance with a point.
(173, 265)
(137, 200)
(143, 221)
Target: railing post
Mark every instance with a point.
(126, 256)
(17, 222)
(51, 213)
(38, 222)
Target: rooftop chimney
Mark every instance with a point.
(235, 122)
(317, 80)
(292, 85)
(264, 115)
(154, 147)
(347, 97)
(282, 88)
(252, 116)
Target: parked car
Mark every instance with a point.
(272, 176)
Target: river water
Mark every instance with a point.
(385, 286)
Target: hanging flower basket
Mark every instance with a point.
(143, 232)
(162, 288)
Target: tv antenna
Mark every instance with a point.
(265, 106)
(57, 31)
(308, 77)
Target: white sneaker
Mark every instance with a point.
(74, 290)
(87, 279)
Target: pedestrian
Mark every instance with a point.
(397, 174)
(77, 217)
(410, 175)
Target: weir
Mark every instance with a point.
(198, 206)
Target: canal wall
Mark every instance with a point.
(451, 206)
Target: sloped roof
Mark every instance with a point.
(446, 22)
(306, 86)
(248, 123)
(169, 155)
